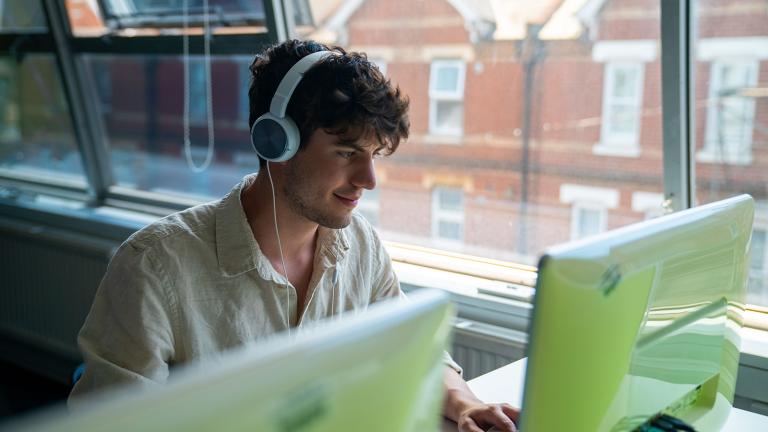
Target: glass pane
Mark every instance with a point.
(588, 222)
(36, 135)
(446, 79)
(622, 119)
(625, 82)
(449, 117)
(87, 18)
(513, 172)
(146, 128)
(731, 70)
(450, 199)
(449, 230)
(22, 16)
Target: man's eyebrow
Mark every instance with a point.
(355, 144)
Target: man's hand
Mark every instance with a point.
(470, 413)
(480, 417)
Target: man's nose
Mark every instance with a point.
(365, 174)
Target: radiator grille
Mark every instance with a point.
(480, 348)
(47, 288)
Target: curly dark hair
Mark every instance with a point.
(338, 93)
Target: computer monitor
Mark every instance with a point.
(378, 371)
(640, 321)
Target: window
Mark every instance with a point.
(622, 103)
(198, 91)
(731, 117)
(730, 113)
(37, 140)
(623, 86)
(589, 208)
(446, 97)
(22, 16)
(587, 220)
(448, 214)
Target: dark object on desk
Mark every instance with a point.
(665, 423)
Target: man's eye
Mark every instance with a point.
(346, 154)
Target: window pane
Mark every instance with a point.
(625, 83)
(622, 119)
(588, 222)
(450, 199)
(447, 79)
(22, 16)
(449, 116)
(36, 134)
(146, 128)
(449, 230)
(731, 68)
(88, 18)
(510, 171)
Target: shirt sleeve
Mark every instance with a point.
(127, 337)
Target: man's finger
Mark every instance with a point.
(470, 426)
(512, 413)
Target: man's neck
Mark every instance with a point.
(297, 234)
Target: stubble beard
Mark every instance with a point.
(299, 193)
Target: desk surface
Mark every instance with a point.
(506, 385)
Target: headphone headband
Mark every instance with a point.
(291, 79)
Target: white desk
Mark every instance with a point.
(506, 385)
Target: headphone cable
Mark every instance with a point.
(280, 248)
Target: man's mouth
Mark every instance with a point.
(349, 201)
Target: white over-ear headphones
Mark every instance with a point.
(274, 135)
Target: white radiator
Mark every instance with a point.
(480, 348)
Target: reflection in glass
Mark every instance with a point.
(22, 16)
(508, 116)
(145, 127)
(731, 103)
(36, 135)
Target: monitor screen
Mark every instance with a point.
(378, 371)
(640, 321)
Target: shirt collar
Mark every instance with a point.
(238, 252)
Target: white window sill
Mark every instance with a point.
(445, 138)
(715, 157)
(614, 149)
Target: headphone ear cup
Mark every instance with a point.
(275, 139)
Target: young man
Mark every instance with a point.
(283, 248)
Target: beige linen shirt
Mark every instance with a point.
(195, 284)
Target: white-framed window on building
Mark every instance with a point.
(589, 208)
(369, 206)
(622, 108)
(587, 219)
(730, 113)
(623, 87)
(448, 214)
(446, 97)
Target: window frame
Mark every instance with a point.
(676, 41)
(611, 142)
(731, 153)
(437, 96)
(439, 214)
